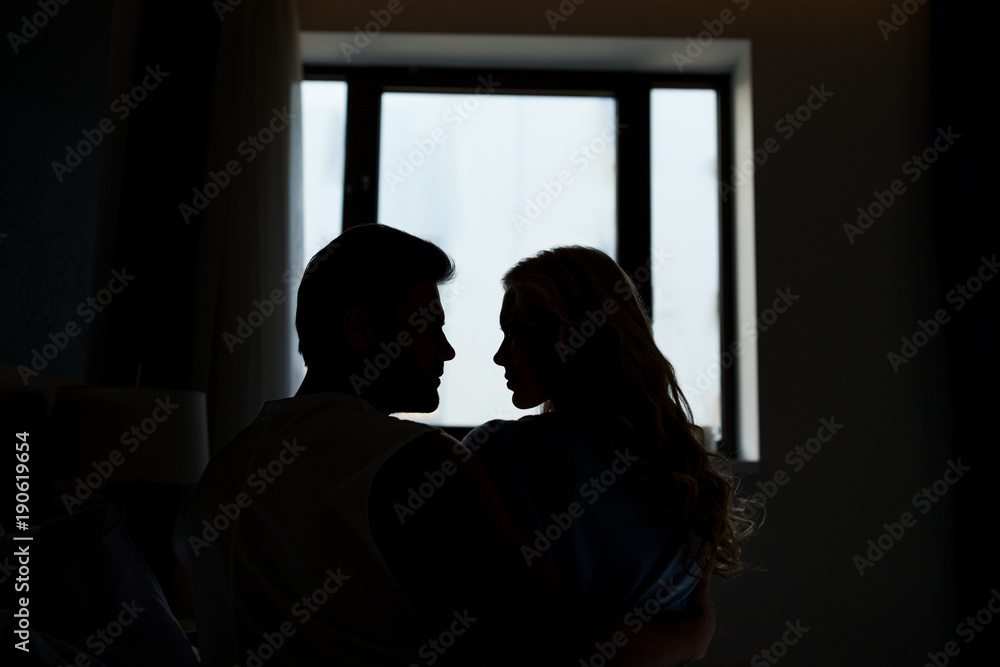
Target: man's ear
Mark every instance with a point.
(359, 329)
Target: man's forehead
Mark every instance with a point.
(422, 296)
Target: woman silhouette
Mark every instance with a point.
(612, 480)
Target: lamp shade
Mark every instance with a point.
(129, 434)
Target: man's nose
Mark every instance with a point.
(448, 352)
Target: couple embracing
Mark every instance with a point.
(577, 536)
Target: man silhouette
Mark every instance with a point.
(349, 536)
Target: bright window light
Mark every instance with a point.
(685, 227)
(492, 179)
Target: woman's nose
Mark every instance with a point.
(498, 357)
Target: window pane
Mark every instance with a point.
(492, 179)
(686, 315)
(324, 122)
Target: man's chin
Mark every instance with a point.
(421, 404)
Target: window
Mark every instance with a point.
(493, 165)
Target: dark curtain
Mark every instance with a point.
(141, 230)
(966, 229)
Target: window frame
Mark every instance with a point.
(632, 93)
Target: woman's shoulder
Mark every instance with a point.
(545, 441)
(544, 427)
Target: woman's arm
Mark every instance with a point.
(674, 639)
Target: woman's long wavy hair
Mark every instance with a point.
(603, 369)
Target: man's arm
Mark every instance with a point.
(460, 550)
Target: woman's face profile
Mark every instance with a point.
(522, 354)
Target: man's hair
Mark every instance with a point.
(371, 267)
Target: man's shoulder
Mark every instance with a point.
(318, 415)
(429, 447)
(320, 422)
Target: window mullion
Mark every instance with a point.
(730, 444)
(634, 205)
(361, 150)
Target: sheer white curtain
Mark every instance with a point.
(251, 235)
